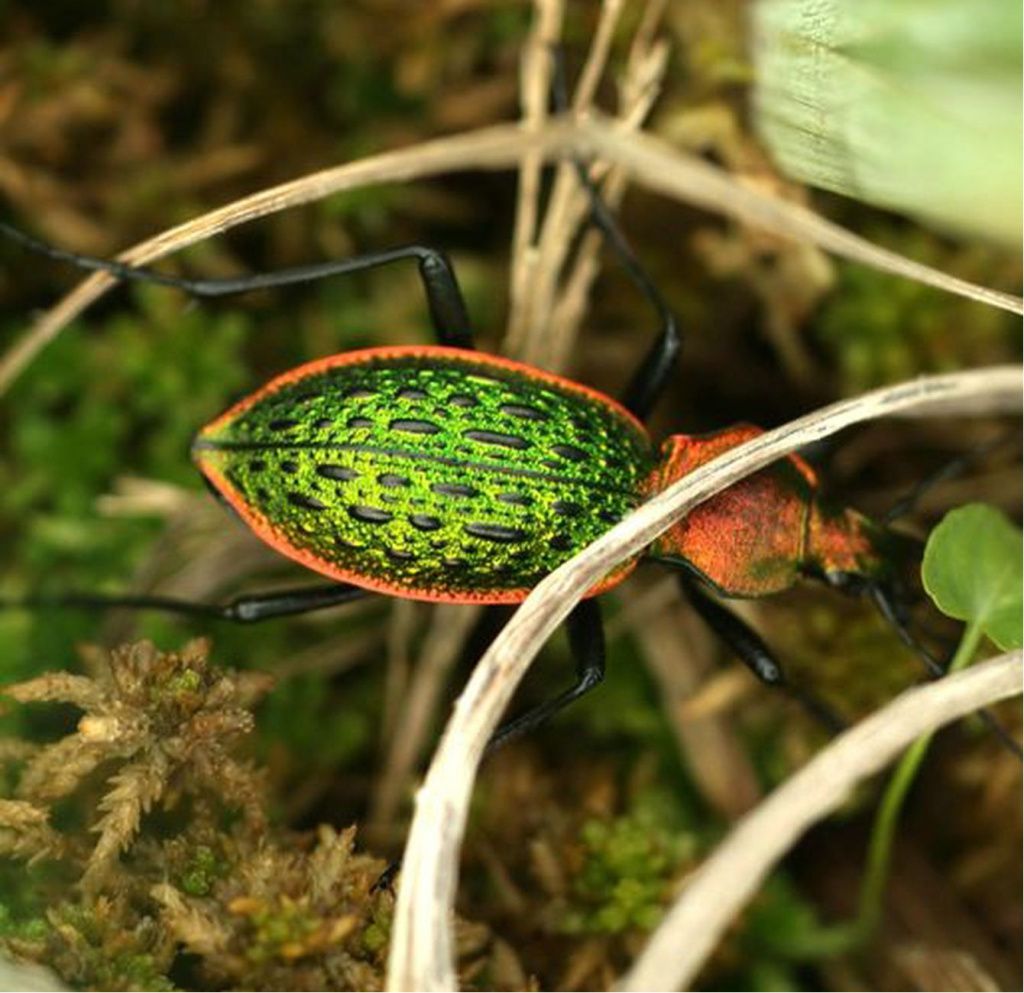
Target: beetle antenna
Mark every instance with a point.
(950, 470)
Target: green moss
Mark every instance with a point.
(627, 866)
(879, 329)
(202, 871)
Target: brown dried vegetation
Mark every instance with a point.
(179, 855)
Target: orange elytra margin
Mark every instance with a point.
(424, 351)
(266, 533)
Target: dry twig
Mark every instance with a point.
(724, 883)
(648, 161)
(422, 951)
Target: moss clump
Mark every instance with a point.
(626, 869)
(114, 899)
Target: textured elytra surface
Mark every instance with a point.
(432, 472)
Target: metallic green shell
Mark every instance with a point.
(430, 472)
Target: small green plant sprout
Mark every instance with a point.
(972, 571)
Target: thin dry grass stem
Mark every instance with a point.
(449, 628)
(639, 91)
(650, 24)
(717, 694)
(678, 651)
(536, 270)
(535, 87)
(422, 953)
(558, 299)
(635, 610)
(650, 162)
(724, 883)
(332, 657)
(645, 159)
(560, 225)
(401, 626)
(597, 57)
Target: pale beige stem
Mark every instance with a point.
(535, 89)
(449, 628)
(422, 952)
(650, 162)
(678, 650)
(734, 873)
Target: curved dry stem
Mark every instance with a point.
(648, 161)
(422, 951)
(449, 630)
(734, 873)
(653, 164)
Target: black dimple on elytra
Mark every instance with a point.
(519, 499)
(371, 515)
(340, 472)
(414, 426)
(424, 522)
(494, 532)
(454, 490)
(523, 411)
(496, 438)
(305, 502)
(570, 452)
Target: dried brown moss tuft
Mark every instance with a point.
(167, 718)
(178, 867)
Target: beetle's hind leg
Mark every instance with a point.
(440, 285)
(659, 364)
(243, 609)
(586, 641)
(754, 653)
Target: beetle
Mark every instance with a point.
(441, 473)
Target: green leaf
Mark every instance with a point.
(972, 570)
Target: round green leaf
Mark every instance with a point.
(972, 570)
